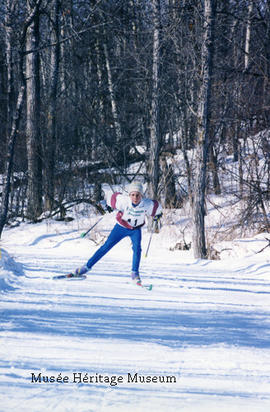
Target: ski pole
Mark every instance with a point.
(146, 253)
(92, 227)
(155, 220)
(150, 239)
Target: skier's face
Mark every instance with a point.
(135, 197)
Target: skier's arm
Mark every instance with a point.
(116, 201)
(157, 209)
(154, 208)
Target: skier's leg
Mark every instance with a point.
(117, 234)
(136, 236)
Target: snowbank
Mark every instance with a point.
(8, 269)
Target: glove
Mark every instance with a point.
(158, 217)
(109, 209)
(106, 207)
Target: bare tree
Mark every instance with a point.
(130, 72)
(10, 158)
(199, 243)
(248, 35)
(50, 143)
(34, 190)
(8, 46)
(117, 126)
(16, 116)
(154, 147)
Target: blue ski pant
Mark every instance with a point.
(118, 233)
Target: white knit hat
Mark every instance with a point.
(135, 187)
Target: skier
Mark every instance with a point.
(132, 209)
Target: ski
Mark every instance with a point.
(73, 276)
(147, 287)
(70, 276)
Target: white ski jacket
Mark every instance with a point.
(133, 216)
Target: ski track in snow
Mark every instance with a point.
(203, 323)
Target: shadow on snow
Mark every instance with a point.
(170, 327)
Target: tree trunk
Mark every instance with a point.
(117, 126)
(8, 44)
(50, 144)
(170, 197)
(248, 35)
(154, 147)
(9, 160)
(34, 189)
(11, 138)
(214, 170)
(199, 243)
(101, 110)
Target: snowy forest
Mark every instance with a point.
(173, 95)
(108, 91)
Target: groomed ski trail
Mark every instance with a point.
(204, 325)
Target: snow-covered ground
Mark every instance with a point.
(198, 342)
